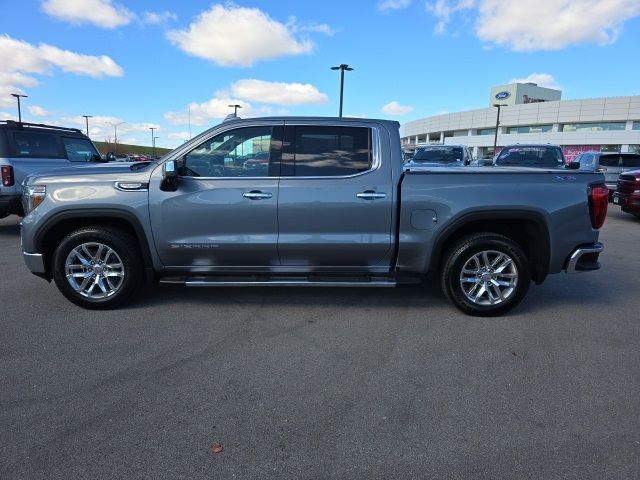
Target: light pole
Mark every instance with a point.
(87, 117)
(495, 137)
(235, 107)
(342, 67)
(115, 135)
(18, 95)
(153, 142)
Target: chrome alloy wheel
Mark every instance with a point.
(94, 270)
(489, 278)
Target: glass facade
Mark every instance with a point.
(593, 127)
(636, 125)
(486, 131)
(530, 129)
(610, 148)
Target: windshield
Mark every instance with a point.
(531, 156)
(438, 155)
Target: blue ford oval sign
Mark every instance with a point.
(502, 95)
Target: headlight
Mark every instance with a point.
(33, 195)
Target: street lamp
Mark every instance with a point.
(18, 95)
(153, 142)
(87, 117)
(235, 107)
(342, 67)
(115, 135)
(495, 137)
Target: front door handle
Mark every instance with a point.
(370, 195)
(257, 195)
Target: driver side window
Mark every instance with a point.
(244, 152)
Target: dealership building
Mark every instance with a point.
(532, 114)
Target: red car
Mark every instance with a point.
(627, 193)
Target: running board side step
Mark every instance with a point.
(280, 282)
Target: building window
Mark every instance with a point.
(486, 131)
(636, 126)
(610, 148)
(593, 127)
(530, 129)
(634, 148)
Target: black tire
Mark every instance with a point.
(127, 256)
(462, 254)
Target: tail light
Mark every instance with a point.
(7, 176)
(598, 203)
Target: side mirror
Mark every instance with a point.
(169, 176)
(110, 157)
(573, 166)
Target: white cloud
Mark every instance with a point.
(19, 58)
(158, 18)
(203, 113)
(100, 126)
(101, 13)
(38, 111)
(443, 9)
(530, 25)
(317, 28)
(278, 93)
(387, 5)
(541, 79)
(179, 136)
(237, 36)
(8, 116)
(394, 108)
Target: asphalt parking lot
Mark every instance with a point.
(324, 383)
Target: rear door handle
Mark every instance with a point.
(370, 195)
(257, 195)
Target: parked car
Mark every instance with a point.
(29, 147)
(627, 193)
(535, 156)
(441, 155)
(611, 164)
(334, 207)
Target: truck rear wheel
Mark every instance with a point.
(485, 274)
(98, 267)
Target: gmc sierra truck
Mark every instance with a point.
(309, 202)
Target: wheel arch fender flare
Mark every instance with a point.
(501, 222)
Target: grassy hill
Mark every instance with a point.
(105, 147)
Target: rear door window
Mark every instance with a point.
(32, 144)
(630, 161)
(79, 149)
(321, 151)
(609, 160)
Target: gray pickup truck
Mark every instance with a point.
(309, 202)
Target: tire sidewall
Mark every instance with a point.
(121, 244)
(461, 253)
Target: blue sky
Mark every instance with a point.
(150, 63)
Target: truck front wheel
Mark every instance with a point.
(485, 274)
(98, 267)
